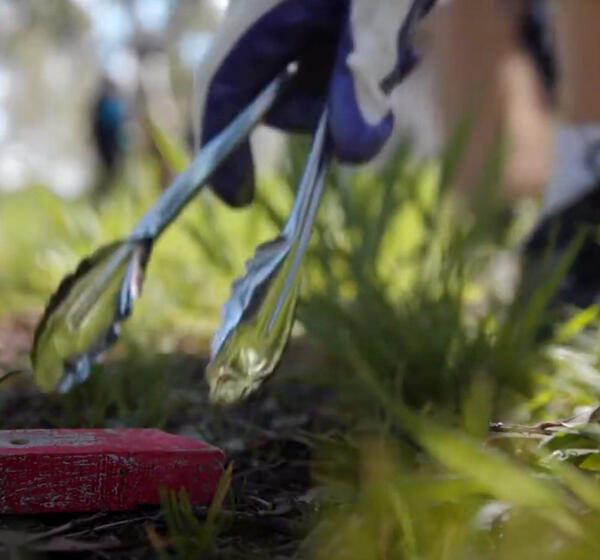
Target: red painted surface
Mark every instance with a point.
(43, 471)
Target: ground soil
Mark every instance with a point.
(269, 439)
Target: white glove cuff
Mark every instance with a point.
(375, 26)
(577, 166)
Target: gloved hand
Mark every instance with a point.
(350, 54)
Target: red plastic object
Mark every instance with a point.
(50, 471)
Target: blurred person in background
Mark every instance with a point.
(346, 49)
(108, 115)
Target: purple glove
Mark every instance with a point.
(351, 53)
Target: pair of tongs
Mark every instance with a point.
(258, 317)
(83, 317)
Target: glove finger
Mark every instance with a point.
(283, 34)
(300, 108)
(354, 139)
(374, 55)
(357, 133)
(233, 182)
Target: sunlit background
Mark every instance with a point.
(53, 56)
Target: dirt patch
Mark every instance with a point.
(16, 337)
(270, 439)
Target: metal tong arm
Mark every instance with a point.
(271, 255)
(299, 224)
(190, 182)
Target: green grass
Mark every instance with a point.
(424, 351)
(426, 355)
(42, 238)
